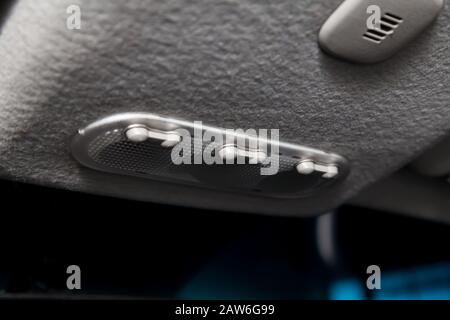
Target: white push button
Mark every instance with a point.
(137, 133)
(308, 167)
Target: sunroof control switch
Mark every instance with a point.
(370, 31)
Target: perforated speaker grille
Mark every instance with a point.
(113, 150)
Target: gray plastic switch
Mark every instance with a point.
(351, 34)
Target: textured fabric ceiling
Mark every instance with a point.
(234, 64)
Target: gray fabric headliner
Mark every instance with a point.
(234, 64)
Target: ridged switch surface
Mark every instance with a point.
(348, 34)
